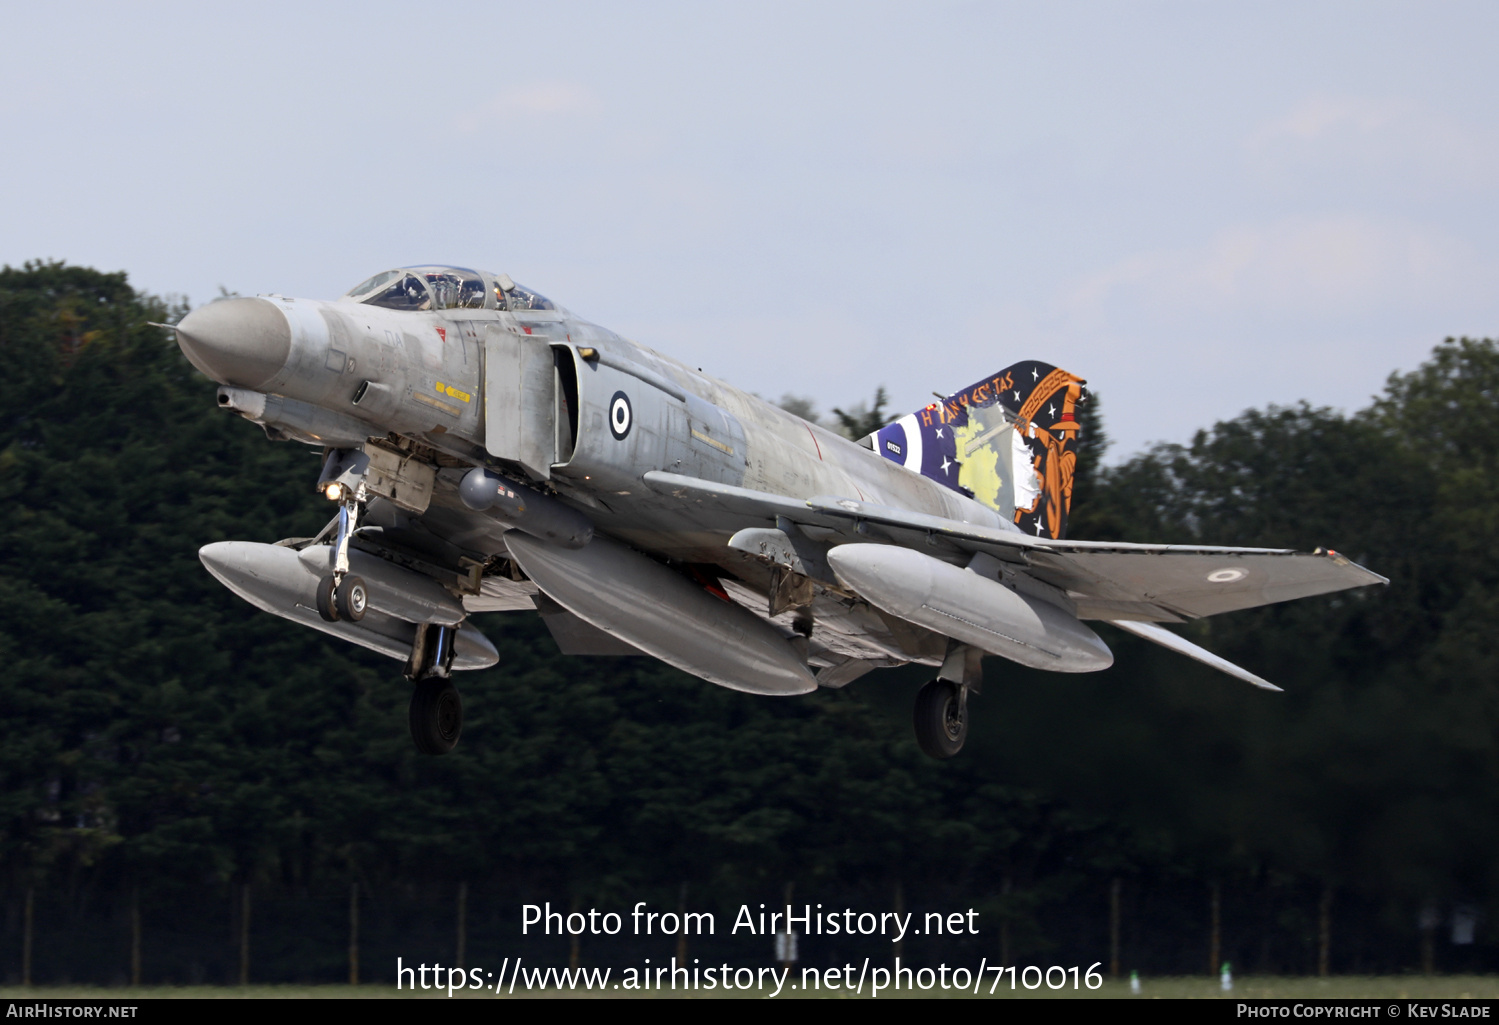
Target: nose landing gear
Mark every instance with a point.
(344, 600)
(343, 595)
(350, 598)
(436, 711)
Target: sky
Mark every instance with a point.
(1199, 208)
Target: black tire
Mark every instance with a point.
(436, 716)
(941, 721)
(351, 598)
(325, 605)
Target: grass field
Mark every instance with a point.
(1390, 987)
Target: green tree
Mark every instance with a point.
(860, 420)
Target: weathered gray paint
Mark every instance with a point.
(700, 464)
(518, 401)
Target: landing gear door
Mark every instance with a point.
(519, 401)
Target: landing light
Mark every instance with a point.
(334, 491)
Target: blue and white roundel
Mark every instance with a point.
(620, 415)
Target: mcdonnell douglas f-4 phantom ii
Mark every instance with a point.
(486, 450)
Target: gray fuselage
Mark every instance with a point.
(566, 406)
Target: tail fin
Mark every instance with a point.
(1008, 441)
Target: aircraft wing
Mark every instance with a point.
(1104, 580)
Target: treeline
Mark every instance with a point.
(171, 756)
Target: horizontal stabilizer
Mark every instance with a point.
(1166, 639)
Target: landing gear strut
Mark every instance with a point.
(436, 711)
(343, 595)
(941, 714)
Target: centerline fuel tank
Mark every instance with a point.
(637, 599)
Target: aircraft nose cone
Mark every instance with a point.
(243, 342)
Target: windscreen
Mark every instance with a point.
(522, 298)
(422, 288)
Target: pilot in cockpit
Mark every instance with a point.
(440, 288)
(417, 297)
(472, 294)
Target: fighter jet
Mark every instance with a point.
(486, 450)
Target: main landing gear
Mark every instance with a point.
(436, 716)
(941, 714)
(436, 711)
(941, 718)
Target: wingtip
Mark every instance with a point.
(1339, 559)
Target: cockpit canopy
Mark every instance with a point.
(446, 288)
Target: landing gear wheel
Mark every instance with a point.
(436, 716)
(351, 598)
(941, 719)
(325, 605)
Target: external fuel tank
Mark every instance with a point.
(974, 609)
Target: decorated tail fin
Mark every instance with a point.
(1008, 441)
